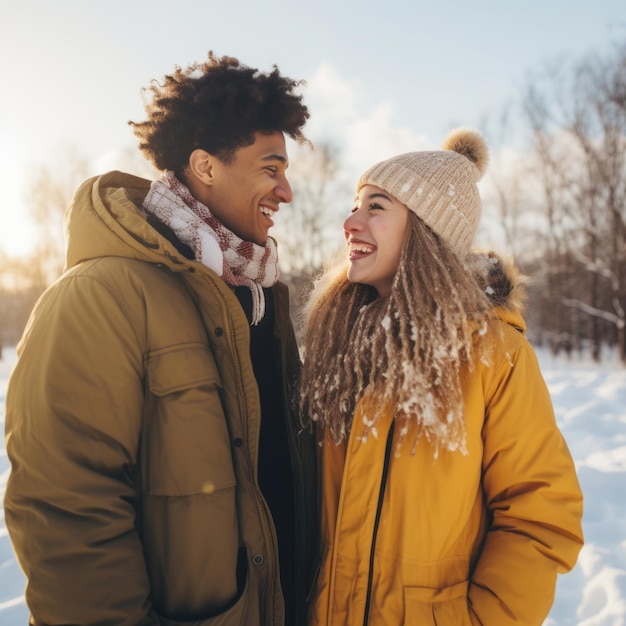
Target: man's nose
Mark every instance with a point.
(283, 190)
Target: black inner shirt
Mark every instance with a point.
(275, 472)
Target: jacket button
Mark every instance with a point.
(238, 442)
(219, 331)
(258, 559)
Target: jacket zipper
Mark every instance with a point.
(379, 508)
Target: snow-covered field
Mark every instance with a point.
(590, 404)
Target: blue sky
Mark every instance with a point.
(396, 74)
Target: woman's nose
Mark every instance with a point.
(353, 222)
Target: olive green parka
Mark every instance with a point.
(132, 428)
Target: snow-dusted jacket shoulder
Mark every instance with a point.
(446, 538)
(132, 428)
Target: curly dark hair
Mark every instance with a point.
(216, 106)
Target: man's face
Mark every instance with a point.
(246, 192)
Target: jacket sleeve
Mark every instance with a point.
(532, 494)
(73, 419)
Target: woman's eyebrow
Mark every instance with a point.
(378, 195)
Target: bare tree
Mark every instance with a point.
(578, 123)
(505, 194)
(18, 294)
(309, 229)
(50, 194)
(24, 278)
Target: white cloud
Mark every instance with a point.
(364, 129)
(331, 99)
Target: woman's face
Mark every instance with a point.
(374, 233)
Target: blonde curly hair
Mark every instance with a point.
(407, 349)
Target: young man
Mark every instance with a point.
(158, 474)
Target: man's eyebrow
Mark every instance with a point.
(275, 157)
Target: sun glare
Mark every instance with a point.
(16, 231)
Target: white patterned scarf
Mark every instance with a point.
(238, 262)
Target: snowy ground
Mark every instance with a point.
(590, 404)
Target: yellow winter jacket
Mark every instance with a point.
(453, 539)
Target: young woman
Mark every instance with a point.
(448, 494)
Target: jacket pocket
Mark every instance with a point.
(185, 444)
(446, 606)
(236, 614)
(189, 522)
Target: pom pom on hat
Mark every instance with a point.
(440, 186)
(470, 144)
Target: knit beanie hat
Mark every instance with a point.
(439, 186)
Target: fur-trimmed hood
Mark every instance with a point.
(503, 283)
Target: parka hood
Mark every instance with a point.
(105, 219)
(502, 282)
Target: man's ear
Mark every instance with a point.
(201, 166)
